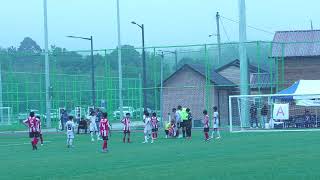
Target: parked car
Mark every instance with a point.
(126, 109)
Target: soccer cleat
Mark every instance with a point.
(211, 137)
(92, 140)
(218, 137)
(41, 144)
(144, 142)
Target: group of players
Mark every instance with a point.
(182, 119)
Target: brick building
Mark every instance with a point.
(297, 56)
(187, 87)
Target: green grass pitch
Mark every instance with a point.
(283, 155)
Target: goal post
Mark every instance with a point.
(5, 115)
(280, 112)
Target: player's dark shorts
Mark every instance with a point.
(105, 138)
(205, 129)
(126, 131)
(184, 123)
(167, 132)
(33, 134)
(154, 129)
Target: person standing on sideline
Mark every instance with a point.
(253, 115)
(174, 121)
(184, 120)
(216, 123)
(206, 127)
(63, 119)
(188, 124)
(264, 115)
(179, 121)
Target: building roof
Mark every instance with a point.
(236, 63)
(296, 43)
(261, 80)
(215, 77)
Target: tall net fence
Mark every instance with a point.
(196, 76)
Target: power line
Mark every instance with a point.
(252, 27)
(224, 30)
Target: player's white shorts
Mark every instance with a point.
(93, 127)
(70, 135)
(147, 130)
(216, 125)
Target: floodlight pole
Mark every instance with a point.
(47, 68)
(119, 59)
(161, 86)
(244, 75)
(218, 37)
(144, 73)
(93, 87)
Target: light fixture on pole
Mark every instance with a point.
(93, 90)
(144, 73)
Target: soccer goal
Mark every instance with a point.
(5, 115)
(274, 112)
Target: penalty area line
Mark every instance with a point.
(20, 144)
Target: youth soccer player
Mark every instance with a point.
(70, 131)
(93, 126)
(33, 124)
(40, 132)
(189, 124)
(215, 123)
(167, 128)
(154, 124)
(206, 125)
(147, 127)
(104, 131)
(126, 128)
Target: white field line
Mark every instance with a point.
(280, 130)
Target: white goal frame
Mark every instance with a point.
(241, 129)
(8, 115)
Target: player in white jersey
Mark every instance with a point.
(147, 127)
(93, 126)
(215, 123)
(70, 131)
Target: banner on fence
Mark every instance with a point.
(281, 111)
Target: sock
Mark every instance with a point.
(32, 145)
(124, 139)
(91, 135)
(206, 135)
(70, 142)
(98, 136)
(212, 133)
(183, 133)
(41, 139)
(104, 145)
(35, 141)
(145, 138)
(128, 140)
(218, 132)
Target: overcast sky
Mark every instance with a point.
(167, 22)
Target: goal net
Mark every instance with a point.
(280, 112)
(5, 115)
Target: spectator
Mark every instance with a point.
(63, 119)
(264, 115)
(189, 124)
(253, 115)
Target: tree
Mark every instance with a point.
(29, 45)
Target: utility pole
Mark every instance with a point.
(244, 75)
(144, 73)
(218, 37)
(47, 68)
(161, 86)
(93, 87)
(119, 60)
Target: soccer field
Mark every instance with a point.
(283, 155)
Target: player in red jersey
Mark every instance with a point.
(154, 124)
(104, 131)
(33, 124)
(126, 127)
(206, 125)
(40, 132)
